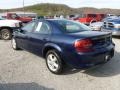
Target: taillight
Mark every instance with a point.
(84, 45)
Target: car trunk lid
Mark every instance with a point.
(99, 39)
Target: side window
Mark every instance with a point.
(42, 28)
(29, 27)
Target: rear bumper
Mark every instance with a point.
(83, 60)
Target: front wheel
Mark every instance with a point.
(6, 34)
(54, 62)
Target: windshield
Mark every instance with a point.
(71, 26)
(92, 15)
(14, 16)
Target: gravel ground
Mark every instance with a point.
(21, 70)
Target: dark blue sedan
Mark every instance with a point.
(64, 42)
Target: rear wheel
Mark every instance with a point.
(6, 34)
(54, 62)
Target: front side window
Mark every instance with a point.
(71, 26)
(42, 28)
(29, 27)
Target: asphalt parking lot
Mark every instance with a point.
(21, 70)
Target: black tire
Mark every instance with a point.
(59, 62)
(6, 34)
(14, 44)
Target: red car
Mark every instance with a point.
(14, 16)
(90, 18)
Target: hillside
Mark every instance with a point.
(52, 9)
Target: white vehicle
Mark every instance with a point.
(7, 27)
(112, 26)
(96, 25)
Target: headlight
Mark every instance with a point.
(117, 26)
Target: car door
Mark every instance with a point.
(39, 37)
(23, 35)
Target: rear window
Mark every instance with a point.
(71, 26)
